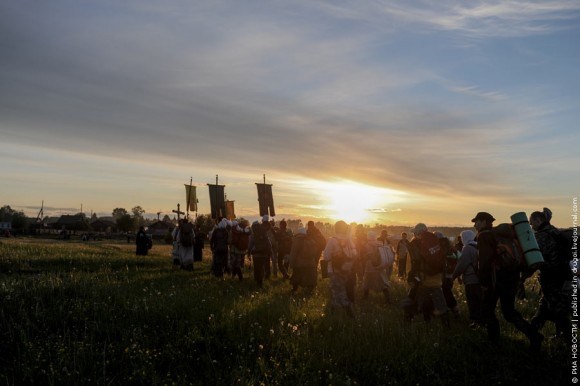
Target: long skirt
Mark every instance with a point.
(185, 255)
(304, 276)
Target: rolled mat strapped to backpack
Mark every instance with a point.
(525, 236)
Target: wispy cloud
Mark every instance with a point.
(494, 18)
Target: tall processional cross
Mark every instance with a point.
(178, 211)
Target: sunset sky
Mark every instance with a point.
(394, 112)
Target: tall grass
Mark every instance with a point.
(94, 313)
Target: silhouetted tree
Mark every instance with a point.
(138, 213)
(126, 223)
(118, 212)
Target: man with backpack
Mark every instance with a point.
(555, 277)
(499, 282)
(426, 275)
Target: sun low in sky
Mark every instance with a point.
(355, 202)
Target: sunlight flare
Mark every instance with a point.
(355, 202)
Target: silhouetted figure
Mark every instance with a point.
(142, 242)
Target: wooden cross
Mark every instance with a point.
(178, 211)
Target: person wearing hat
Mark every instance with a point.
(498, 284)
(425, 277)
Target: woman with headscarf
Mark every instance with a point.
(467, 268)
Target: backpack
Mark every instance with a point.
(240, 239)
(310, 251)
(220, 240)
(284, 240)
(565, 242)
(318, 238)
(341, 262)
(509, 252)
(261, 241)
(186, 234)
(432, 253)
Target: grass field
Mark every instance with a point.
(94, 313)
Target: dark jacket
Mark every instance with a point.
(487, 255)
(303, 253)
(556, 267)
(315, 234)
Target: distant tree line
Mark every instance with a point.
(129, 221)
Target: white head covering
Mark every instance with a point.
(301, 231)
(467, 236)
(265, 218)
(223, 224)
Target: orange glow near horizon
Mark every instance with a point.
(355, 202)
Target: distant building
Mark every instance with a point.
(5, 226)
(71, 223)
(160, 228)
(104, 225)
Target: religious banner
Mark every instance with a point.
(265, 199)
(230, 212)
(191, 197)
(217, 201)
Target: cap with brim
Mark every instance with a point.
(483, 216)
(419, 228)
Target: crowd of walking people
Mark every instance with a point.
(428, 262)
